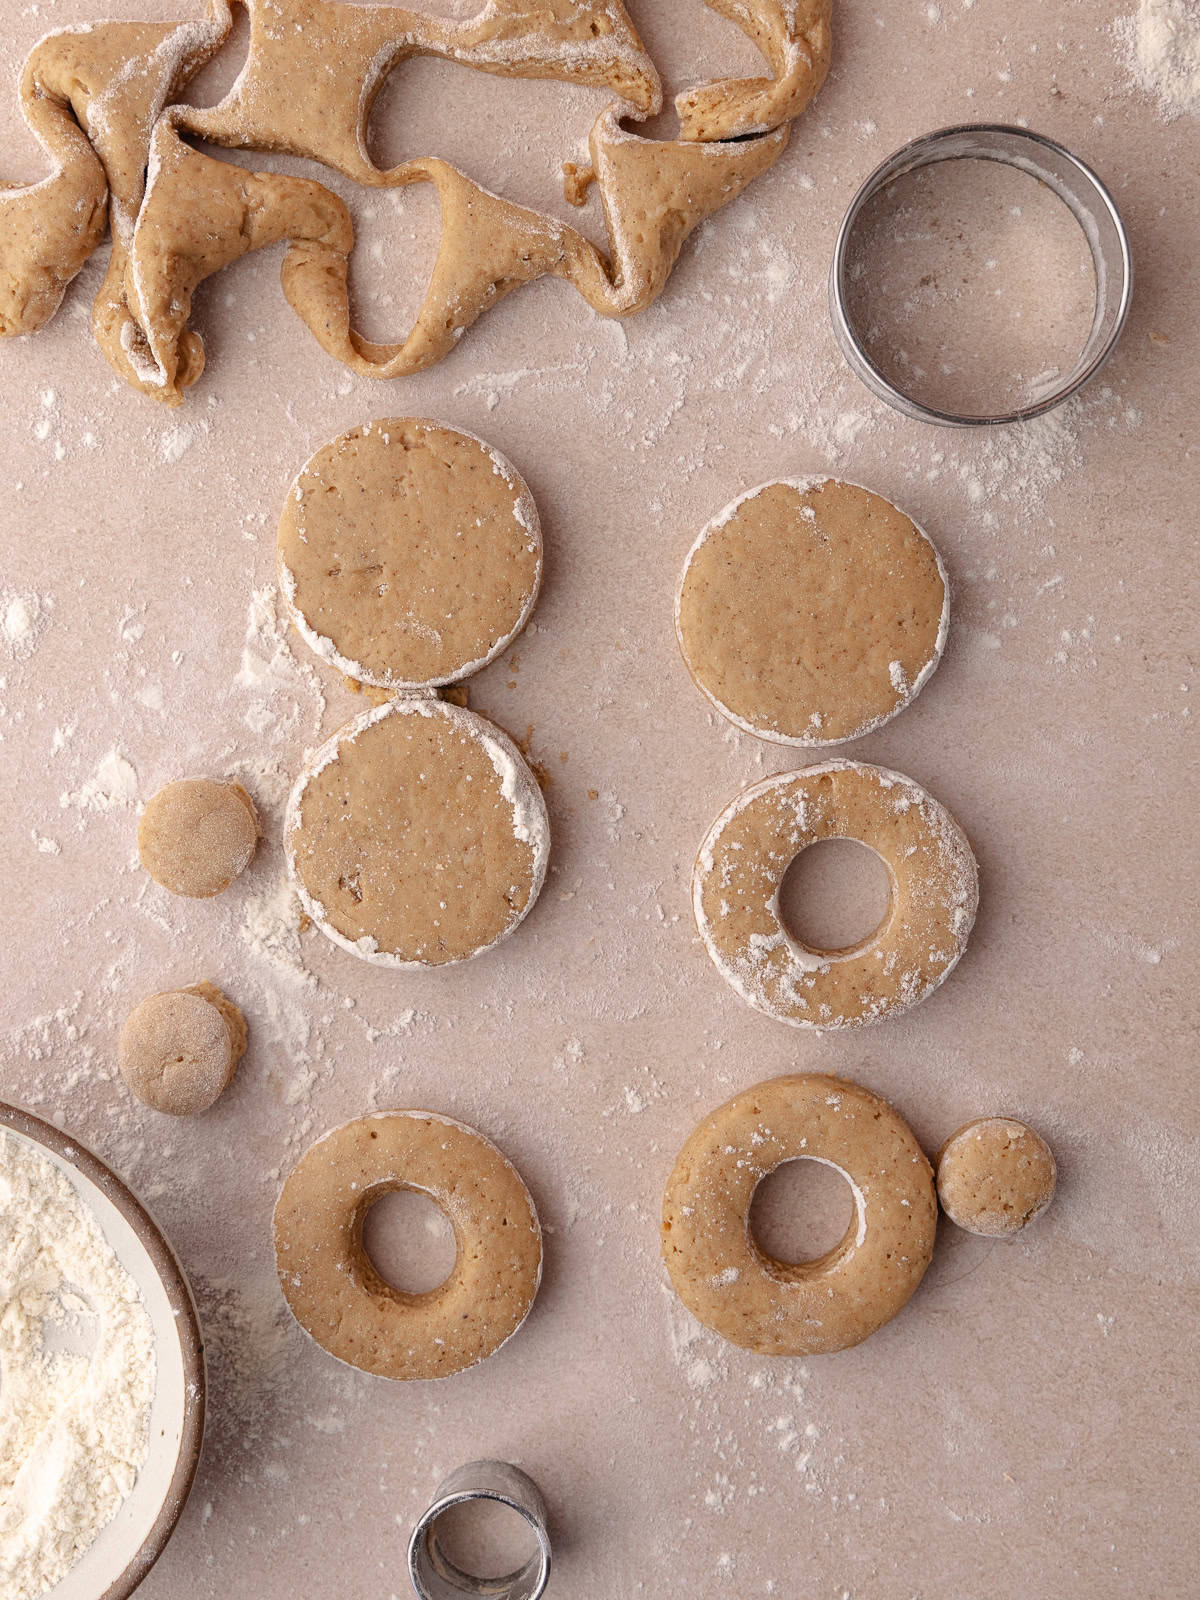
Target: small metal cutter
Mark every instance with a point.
(1074, 183)
(435, 1577)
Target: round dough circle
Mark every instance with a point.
(995, 1176)
(178, 1051)
(741, 866)
(811, 611)
(409, 554)
(197, 834)
(335, 1293)
(417, 836)
(808, 1308)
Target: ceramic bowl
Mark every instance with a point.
(133, 1541)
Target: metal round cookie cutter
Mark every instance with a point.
(1076, 185)
(435, 1577)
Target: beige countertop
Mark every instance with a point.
(1027, 1427)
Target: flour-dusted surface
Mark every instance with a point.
(1045, 1379)
(77, 1372)
(1161, 40)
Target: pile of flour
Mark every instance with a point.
(77, 1371)
(1162, 52)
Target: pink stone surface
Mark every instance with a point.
(1027, 1427)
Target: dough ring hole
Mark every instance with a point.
(835, 896)
(801, 1214)
(408, 1240)
(482, 1541)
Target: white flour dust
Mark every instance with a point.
(114, 783)
(23, 619)
(77, 1371)
(1161, 41)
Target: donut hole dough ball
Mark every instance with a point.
(782, 1308)
(197, 834)
(995, 1176)
(417, 836)
(179, 1051)
(338, 1296)
(409, 554)
(810, 611)
(740, 872)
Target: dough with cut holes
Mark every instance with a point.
(995, 1176)
(180, 1050)
(410, 554)
(811, 1307)
(339, 1298)
(810, 611)
(197, 834)
(417, 836)
(741, 867)
(105, 99)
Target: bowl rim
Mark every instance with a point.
(191, 1342)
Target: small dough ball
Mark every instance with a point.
(179, 1051)
(197, 834)
(995, 1176)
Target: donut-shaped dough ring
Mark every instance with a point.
(335, 1293)
(741, 866)
(777, 1308)
(417, 836)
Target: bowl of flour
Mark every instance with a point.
(101, 1374)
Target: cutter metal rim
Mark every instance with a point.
(1080, 189)
(435, 1577)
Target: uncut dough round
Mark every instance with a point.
(409, 554)
(811, 611)
(179, 1051)
(741, 867)
(417, 836)
(197, 834)
(335, 1293)
(811, 1307)
(995, 1176)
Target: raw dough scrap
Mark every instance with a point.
(275, 106)
(795, 37)
(811, 611)
(126, 75)
(409, 554)
(195, 218)
(121, 77)
(576, 41)
(92, 95)
(995, 1176)
(48, 229)
(196, 835)
(417, 836)
(488, 248)
(180, 1050)
(199, 215)
(655, 193)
